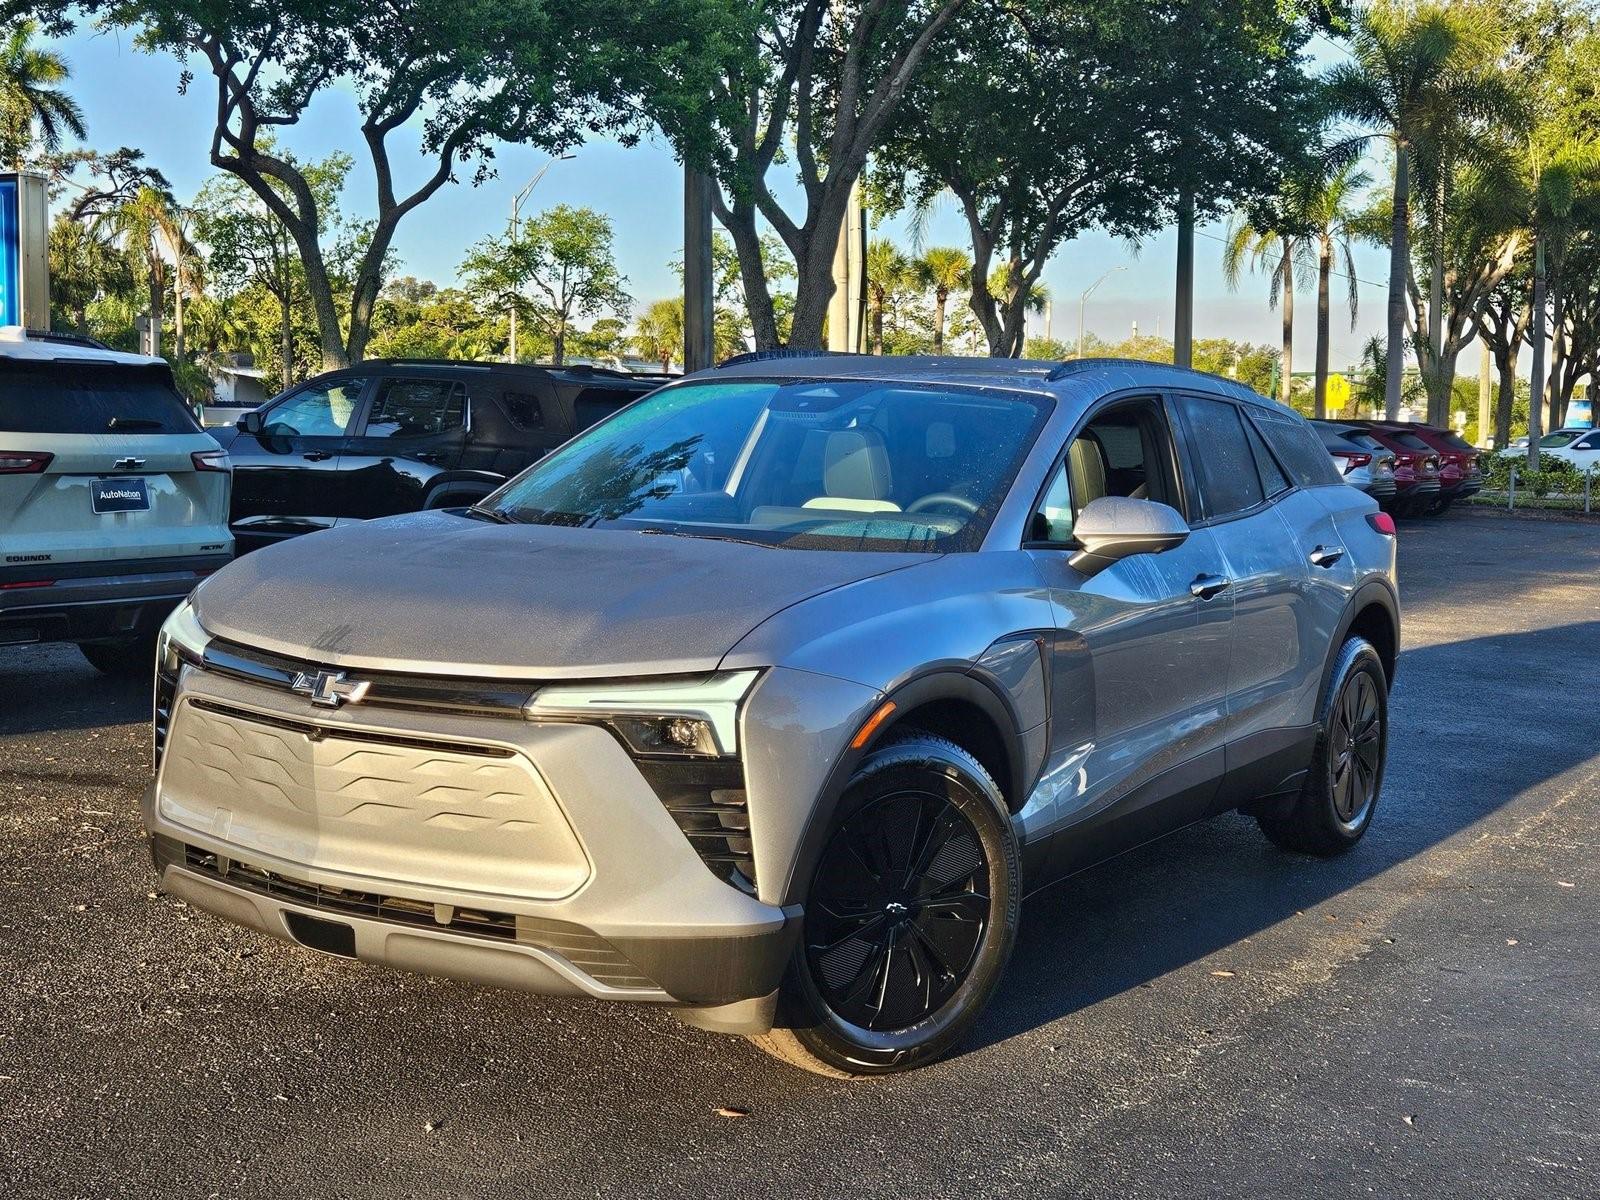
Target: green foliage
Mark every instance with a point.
(1045, 119)
(557, 268)
(31, 103)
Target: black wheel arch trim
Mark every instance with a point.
(1374, 591)
(965, 682)
(474, 484)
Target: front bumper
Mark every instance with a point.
(96, 601)
(499, 851)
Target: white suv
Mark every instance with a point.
(113, 501)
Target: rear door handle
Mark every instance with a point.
(1326, 556)
(1206, 586)
(316, 456)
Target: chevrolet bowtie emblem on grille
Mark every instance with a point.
(329, 688)
(127, 464)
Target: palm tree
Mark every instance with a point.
(945, 270)
(659, 334)
(1004, 286)
(1410, 78)
(887, 272)
(151, 227)
(29, 98)
(1281, 253)
(1333, 218)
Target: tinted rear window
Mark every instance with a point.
(88, 397)
(1455, 441)
(1410, 441)
(595, 404)
(1299, 449)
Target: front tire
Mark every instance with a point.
(910, 916)
(1340, 794)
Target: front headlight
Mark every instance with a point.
(181, 640)
(696, 716)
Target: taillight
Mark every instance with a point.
(211, 460)
(23, 462)
(1382, 522)
(1352, 461)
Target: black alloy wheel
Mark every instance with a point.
(1345, 776)
(910, 917)
(1356, 745)
(898, 910)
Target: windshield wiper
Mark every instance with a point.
(490, 514)
(711, 537)
(133, 423)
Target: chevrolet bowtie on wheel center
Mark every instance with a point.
(770, 697)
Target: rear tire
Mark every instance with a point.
(910, 916)
(1340, 795)
(127, 658)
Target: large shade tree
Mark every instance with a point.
(1045, 118)
(820, 92)
(461, 76)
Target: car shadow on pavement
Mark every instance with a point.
(1127, 923)
(47, 689)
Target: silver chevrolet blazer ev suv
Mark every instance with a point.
(769, 698)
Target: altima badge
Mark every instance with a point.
(329, 688)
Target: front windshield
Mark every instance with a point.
(816, 464)
(1561, 437)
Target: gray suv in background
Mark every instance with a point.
(769, 698)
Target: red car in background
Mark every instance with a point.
(1459, 473)
(1418, 488)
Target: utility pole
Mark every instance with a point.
(1083, 301)
(848, 308)
(1183, 316)
(516, 208)
(1485, 420)
(1536, 379)
(699, 344)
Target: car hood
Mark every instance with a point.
(443, 594)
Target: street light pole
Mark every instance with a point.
(1083, 301)
(516, 208)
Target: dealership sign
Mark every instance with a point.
(24, 251)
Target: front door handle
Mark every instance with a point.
(1206, 586)
(1326, 556)
(316, 456)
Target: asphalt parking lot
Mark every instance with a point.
(1205, 1017)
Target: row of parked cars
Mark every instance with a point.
(1409, 468)
(115, 502)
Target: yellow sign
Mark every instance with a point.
(1338, 394)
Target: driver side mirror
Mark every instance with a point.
(252, 422)
(1115, 527)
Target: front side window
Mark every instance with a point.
(815, 464)
(417, 408)
(1124, 450)
(321, 410)
(1221, 454)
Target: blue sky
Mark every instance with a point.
(131, 98)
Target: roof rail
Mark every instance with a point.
(751, 356)
(66, 339)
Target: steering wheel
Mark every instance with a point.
(935, 499)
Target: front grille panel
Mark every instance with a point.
(581, 947)
(706, 798)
